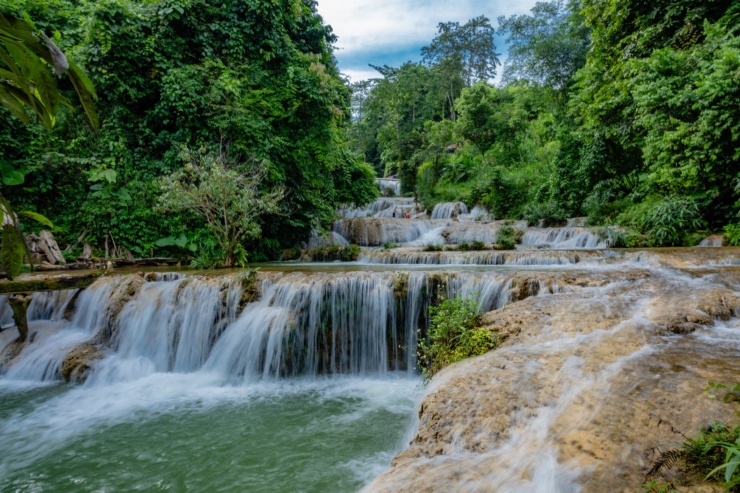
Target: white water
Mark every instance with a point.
(449, 210)
(392, 183)
(563, 238)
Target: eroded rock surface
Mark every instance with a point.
(578, 396)
(77, 362)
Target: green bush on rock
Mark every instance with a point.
(453, 335)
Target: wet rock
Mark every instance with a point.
(76, 364)
(578, 393)
(10, 352)
(121, 295)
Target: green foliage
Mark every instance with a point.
(226, 196)
(668, 220)
(389, 245)
(548, 46)
(732, 234)
(472, 246)
(434, 247)
(12, 251)
(714, 453)
(470, 48)
(25, 79)
(333, 253)
(506, 237)
(257, 77)
(453, 335)
(657, 486)
(548, 214)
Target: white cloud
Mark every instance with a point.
(392, 31)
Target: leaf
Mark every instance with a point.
(86, 92)
(37, 217)
(165, 242)
(10, 175)
(12, 251)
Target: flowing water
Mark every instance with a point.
(302, 377)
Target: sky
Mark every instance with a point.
(391, 32)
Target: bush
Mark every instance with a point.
(474, 246)
(389, 245)
(333, 253)
(667, 221)
(732, 234)
(506, 238)
(549, 213)
(434, 247)
(453, 335)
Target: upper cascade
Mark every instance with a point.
(392, 184)
(400, 221)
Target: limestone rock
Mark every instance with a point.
(49, 246)
(77, 362)
(577, 395)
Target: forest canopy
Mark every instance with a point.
(176, 77)
(622, 111)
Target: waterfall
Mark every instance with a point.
(563, 238)
(302, 324)
(449, 210)
(53, 338)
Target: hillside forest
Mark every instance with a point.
(227, 133)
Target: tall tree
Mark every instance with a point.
(548, 46)
(470, 48)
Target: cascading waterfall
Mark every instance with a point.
(449, 210)
(53, 338)
(486, 257)
(563, 238)
(302, 325)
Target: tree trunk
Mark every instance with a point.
(19, 305)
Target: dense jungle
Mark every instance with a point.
(620, 111)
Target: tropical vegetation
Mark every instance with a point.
(625, 112)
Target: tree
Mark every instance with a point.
(27, 82)
(470, 48)
(227, 196)
(548, 46)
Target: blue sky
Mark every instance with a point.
(393, 31)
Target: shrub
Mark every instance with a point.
(453, 335)
(389, 245)
(732, 234)
(668, 221)
(506, 238)
(434, 247)
(549, 213)
(475, 245)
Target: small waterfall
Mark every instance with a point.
(563, 238)
(477, 213)
(449, 210)
(486, 257)
(41, 361)
(382, 207)
(712, 241)
(389, 183)
(50, 305)
(376, 232)
(6, 313)
(306, 325)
